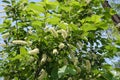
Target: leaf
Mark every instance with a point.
(62, 26)
(54, 74)
(6, 1)
(53, 20)
(36, 7)
(117, 69)
(52, 5)
(2, 29)
(74, 3)
(18, 57)
(23, 51)
(87, 27)
(36, 23)
(67, 9)
(71, 70)
(61, 71)
(96, 18)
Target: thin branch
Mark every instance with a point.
(115, 18)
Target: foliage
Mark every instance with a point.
(56, 40)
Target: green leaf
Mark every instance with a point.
(23, 51)
(2, 29)
(96, 18)
(71, 70)
(67, 9)
(6, 1)
(87, 27)
(36, 23)
(36, 7)
(62, 26)
(61, 71)
(53, 20)
(117, 69)
(52, 5)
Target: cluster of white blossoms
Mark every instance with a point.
(34, 51)
(3, 45)
(88, 65)
(63, 33)
(44, 57)
(61, 45)
(55, 51)
(6, 35)
(19, 42)
(53, 32)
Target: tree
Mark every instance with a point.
(56, 40)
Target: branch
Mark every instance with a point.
(115, 18)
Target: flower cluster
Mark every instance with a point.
(34, 51)
(55, 51)
(63, 33)
(53, 32)
(44, 57)
(61, 45)
(19, 42)
(88, 65)
(6, 35)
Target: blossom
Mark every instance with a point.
(53, 32)
(6, 35)
(55, 51)
(88, 65)
(44, 57)
(63, 33)
(19, 42)
(61, 45)
(34, 51)
(66, 24)
(3, 45)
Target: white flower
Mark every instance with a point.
(88, 65)
(19, 42)
(63, 33)
(61, 45)
(6, 35)
(55, 51)
(88, 1)
(44, 57)
(66, 24)
(34, 51)
(3, 45)
(53, 32)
